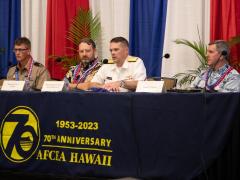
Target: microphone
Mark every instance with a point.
(223, 53)
(104, 61)
(167, 55)
(159, 78)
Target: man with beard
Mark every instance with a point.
(88, 66)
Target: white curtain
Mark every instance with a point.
(114, 16)
(183, 19)
(33, 26)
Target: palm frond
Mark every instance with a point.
(234, 40)
(83, 25)
(200, 50)
(198, 47)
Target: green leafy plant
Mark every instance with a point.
(200, 50)
(83, 25)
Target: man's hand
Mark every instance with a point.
(112, 86)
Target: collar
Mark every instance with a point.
(26, 67)
(222, 69)
(124, 66)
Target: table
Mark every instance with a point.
(111, 135)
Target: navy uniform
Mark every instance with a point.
(37, 77)
(132, 69)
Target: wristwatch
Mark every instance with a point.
(122, 83)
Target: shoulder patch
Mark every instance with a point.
(38, 64)
(110, 61)
(132, 59)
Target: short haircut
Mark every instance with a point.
(222, 46)
(88, 41)
(23, 40)
(121, 40)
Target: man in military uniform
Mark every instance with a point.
(123, 72)
(33, 73)
(220, 76)
(88, 66)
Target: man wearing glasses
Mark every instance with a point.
(33, 73)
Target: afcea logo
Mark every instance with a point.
(20, 134)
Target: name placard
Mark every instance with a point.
(150, 86)
(52, 86)
(9, 85)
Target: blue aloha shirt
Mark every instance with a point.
(230, 83)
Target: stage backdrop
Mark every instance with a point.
(120, 18)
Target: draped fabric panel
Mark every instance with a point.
(33, 26)
(59, 17)
(147, 28)
(184, 19)
(10, 29)
(114, 17)
(225, 24)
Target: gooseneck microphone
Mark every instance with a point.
(104, 61)
(224, 53)
(167, 55)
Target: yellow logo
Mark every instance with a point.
(20, 134)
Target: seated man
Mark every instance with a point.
(121, 73)
(220, 76)
(33, 73)
(88, 66)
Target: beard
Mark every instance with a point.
(86, 61)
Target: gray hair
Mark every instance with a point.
(222, 47)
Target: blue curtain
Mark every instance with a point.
(10, 29)
(147, 28)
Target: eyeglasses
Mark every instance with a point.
(20, 50)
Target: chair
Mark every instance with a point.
(169, 83)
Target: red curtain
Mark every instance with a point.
(59, 17)
(225, 24)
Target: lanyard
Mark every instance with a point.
(209, 72)
(84, 74)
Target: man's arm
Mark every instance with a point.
(84, 86)
(43, 76)
(115, 86)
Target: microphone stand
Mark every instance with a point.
(166, 56)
